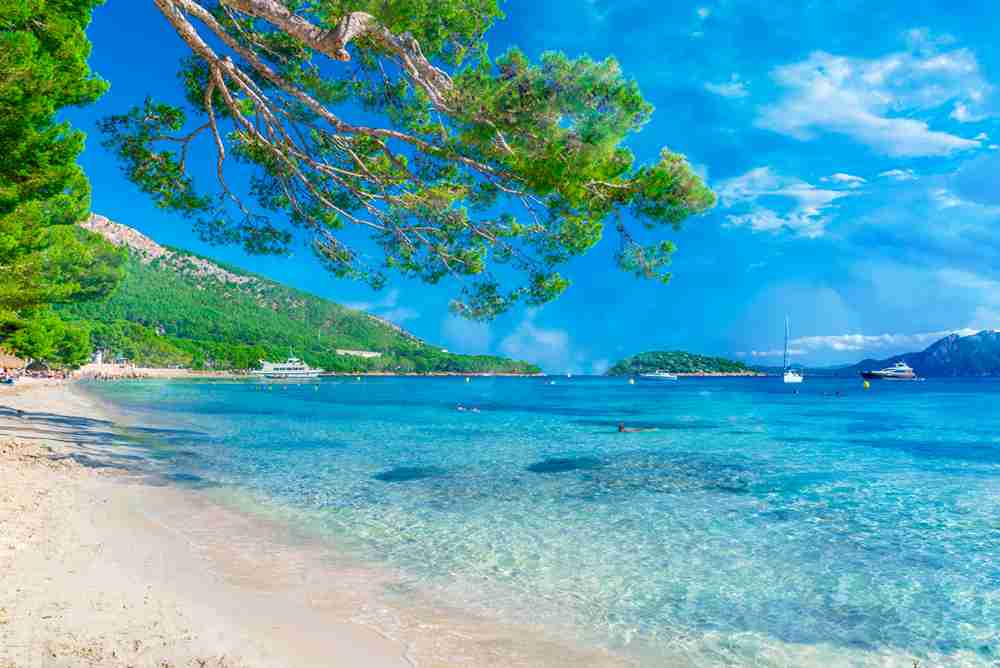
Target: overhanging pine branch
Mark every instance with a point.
(333, 42)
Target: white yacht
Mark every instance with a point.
(293, 367)
(790, 375)
(898, 371)
(658, 375)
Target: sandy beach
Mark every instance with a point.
(103, 565)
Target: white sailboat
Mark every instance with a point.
(790, 375)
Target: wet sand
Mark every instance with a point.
(106, 565)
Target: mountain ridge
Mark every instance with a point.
(953, 356)
(177, 308)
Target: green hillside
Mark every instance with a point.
(176, 308)
(676, 362)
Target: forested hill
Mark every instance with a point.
(176, 308)
(677, 362)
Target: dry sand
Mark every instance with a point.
(102, 566)
(88, 579)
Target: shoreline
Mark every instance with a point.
(703, 374)
(112, 372)
(109, 565)
(117, 372)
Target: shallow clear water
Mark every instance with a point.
(754, 526)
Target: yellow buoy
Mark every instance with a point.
(868, 385)
(631, 381)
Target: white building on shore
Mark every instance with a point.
(366, 354)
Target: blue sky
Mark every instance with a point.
(853, 146)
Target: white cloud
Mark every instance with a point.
(922, 40)
(387, 308)
(548, 348)
(870, 100)
(847, 180)
(944, 198)
(967, 280)
(900, 175)
(808, 205)
(734, 88)
(792, 352)
(466, 336)
(981, 289)
(869, 342)
(886, 344)
(963, 114)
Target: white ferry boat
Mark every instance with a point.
(658, 375)
(293, 367)
(898, 371)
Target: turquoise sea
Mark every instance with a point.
(751, 526)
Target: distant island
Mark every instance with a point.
(954, 356)
(680, 363)
(177, 309)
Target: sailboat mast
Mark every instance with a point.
(786, 343)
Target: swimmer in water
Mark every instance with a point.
(622, 429)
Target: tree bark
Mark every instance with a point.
(333, 43)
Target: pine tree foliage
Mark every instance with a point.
(389, 118)
(44, 257)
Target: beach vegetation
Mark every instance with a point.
(45, 258)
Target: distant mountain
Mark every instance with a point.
(953, 356)
(176, 308)
(677, 362)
